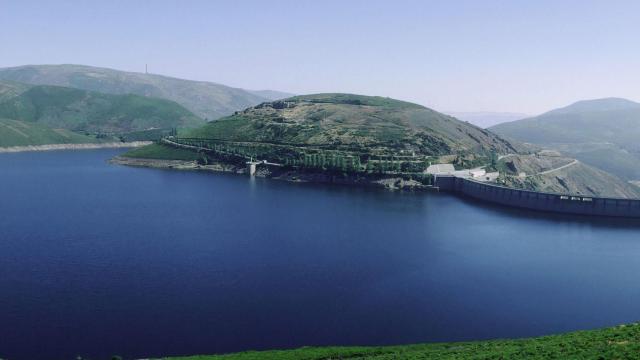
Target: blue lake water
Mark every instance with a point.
(98, 259)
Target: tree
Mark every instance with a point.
(494, 160)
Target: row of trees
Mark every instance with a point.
(315, 159)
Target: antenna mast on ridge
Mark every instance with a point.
(145, 69)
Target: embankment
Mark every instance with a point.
(388, 181)
(548, 202)
(50, 147)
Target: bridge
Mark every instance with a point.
(252, 165)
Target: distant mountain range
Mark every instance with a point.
(485, 119)
(205, 99)
(603, 133)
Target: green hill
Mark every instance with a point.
(22, 133)
(80, 110)
(355, 121)
(620, 342)
(205, 99)
(603, 133)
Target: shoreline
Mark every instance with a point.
(489, 193)
(89, 146)
(615, 342)
(388, 183)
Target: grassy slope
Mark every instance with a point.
(621, 342)
(20, 133)
(161, 152)
(345, 119)
(205, 99)
(74, 109)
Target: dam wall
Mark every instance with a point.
(559, 203)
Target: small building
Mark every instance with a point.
(441, 169)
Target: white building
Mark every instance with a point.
(442, 169)
(477, 173)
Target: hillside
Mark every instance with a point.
(354, 121)
(80, 110)
(603, 133)
(10, 89)
(21, 133)
(620, 342)
(205, 99)
(548, 172)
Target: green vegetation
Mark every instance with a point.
(21, 133)
(206, 100)
(620, 342)
(603, 133)
(80, 110)
(162, 152)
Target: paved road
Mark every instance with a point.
(505, 156)
(574, 162)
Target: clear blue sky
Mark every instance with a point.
(519, 56)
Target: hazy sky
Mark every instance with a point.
(518, 56)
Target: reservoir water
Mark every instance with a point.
(98, 259)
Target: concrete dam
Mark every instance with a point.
(558, 203)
